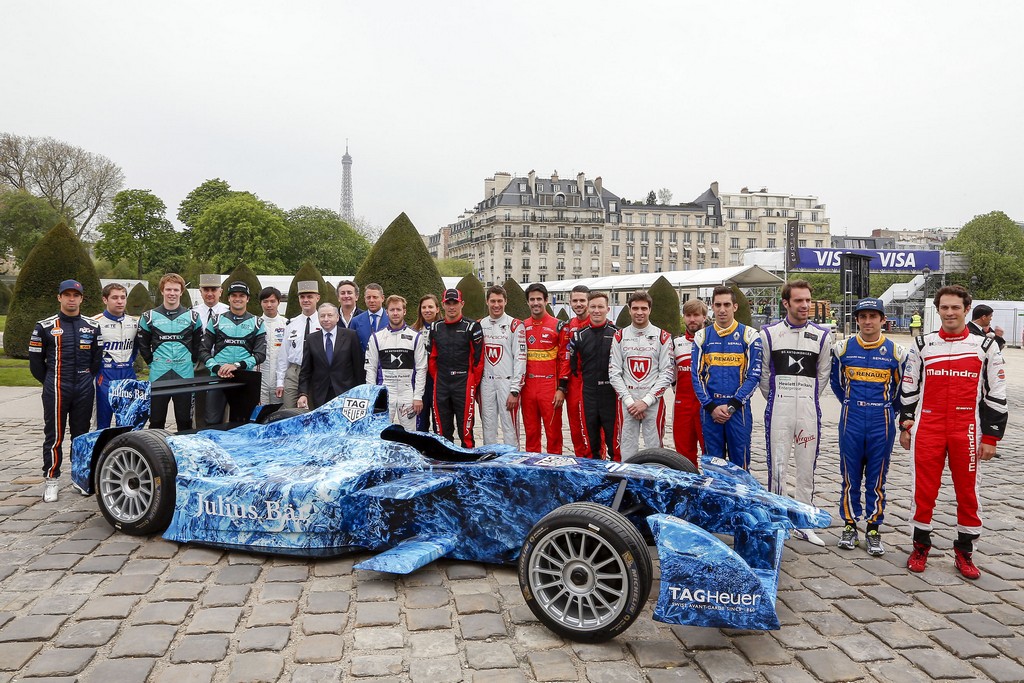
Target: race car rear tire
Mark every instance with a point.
(664, 457)
(284, 414)
(135, 482)
(585, 572)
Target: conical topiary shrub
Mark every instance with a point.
(58, 256)
(475, 305)
(308, 272)
(186, 300)
(665, 311)
(400, 263)
(623, 319)
(742, 306)
(138, 300)
(244, 273)
(563, 315)
(516, 306)
(5, 298)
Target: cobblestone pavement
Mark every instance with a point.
(79, 602)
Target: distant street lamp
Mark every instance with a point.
(926, 272)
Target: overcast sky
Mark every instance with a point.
(901, 115)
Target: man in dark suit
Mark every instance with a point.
(332, 361)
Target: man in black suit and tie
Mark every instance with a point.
(332, 361)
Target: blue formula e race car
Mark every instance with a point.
(341, 479)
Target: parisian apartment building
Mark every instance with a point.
(538, 229)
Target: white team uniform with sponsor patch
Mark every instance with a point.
(642, 367)
(504, 369)
(275, 328)
(397, 359)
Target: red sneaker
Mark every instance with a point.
(965, 565)
(919, 557)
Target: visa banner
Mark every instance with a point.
(895, 260)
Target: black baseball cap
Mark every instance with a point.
(238, 287)
(452, 295)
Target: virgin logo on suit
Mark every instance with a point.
(318, 382)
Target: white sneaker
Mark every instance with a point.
(809, 536)
(50, 492)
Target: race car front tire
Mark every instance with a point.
(585, 572)
(663, 457)
(135, 480)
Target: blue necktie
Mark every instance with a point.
(329, 348)
(373, 322)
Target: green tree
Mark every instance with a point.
(516, 306)
(240, 229)
(138, 300)
(24, 219)
(197, 201)
(400, 263)
(454, 267)
(475, 305)
(994, 248)
(136, 224)
(58, 256)
(742, 305)
(243, 273)
(5, 298)
(652, 198)
(665, 311)
(308, 271)
(320, 236)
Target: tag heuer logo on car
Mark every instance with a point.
(354, 408)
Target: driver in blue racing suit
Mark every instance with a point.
(117, 331)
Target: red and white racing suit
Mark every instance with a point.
(686, 429)
(543, 368)
(504, 370)
(954, 389)
(574, 393)
(642, 367)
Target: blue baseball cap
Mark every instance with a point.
(69, 285)
(869, 304)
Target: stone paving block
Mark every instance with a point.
(93, 533)
(280, 592)
(323, 623)
(972, 594)
(541, 638)
(162, 613)
(799, 638)
(272, 614)
(908, 583)
(887, 596)
(378, 639)
(177, 591)
(490, 656)
(458, 571)
(865, 611)
(92, 633)
(939, 664)
(899, 635)
(264, 638)
(58, 604)
(377, 614)
(497, 676)
(830, 624)
(316, 673)
(802, 602)
(215, 620)
(831, 589)
(1004, 614)
(481, 626)
(31, 582)
(920, 618)
(226, 596)
(288, 573)
(336, 567)
(119, 547)
(204, 648)
(323, 602)
(962, 644)
(143, 641)
(1000, 668)
(376, 665)
(788, 674)
(897, 670)
(15, 655)
(320, 648)
(468, 587)
(433, 644)
(443, 670)
(373, 591)
(724, 665)
(156, 547)
(421, 597)
(237, 575)
(35, 627)
(522, 614)
(854, 575)
(189, 573)
(830, 666)
(616, 672)
(658, 654)
(552, 666)
(153, 567)
(134, 584)
(475, 603)
(698, 638)
(981, 625)
(49, 562)
(107, 607)
(82, 547)
(207, 556)
(134, 670)
(943, 603)
(256, 667)
(762, 650)
(187, 673)
(863, 647)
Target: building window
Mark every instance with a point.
(711, 209)
(629, 251)
(643, 219)
(543, 262)
(615, 235)
(657, 219)
(543, 247)
(658, 252)
(629, 235)
(561, 264)
(615, 250)
(771, 228)
(629, 218)
(524, 199)
(556, 188)
(771, 242)
(508, 247)
(751, 243)
(700, 237)
(508, 264)
(643, 251)
(734, 243)
(814, 216)
(595, 264)
(560, 248)
(526, 263)
(819, 243)
(540, 188)
(748, 214)
(644, 235)
(522, 187)
(573, 189)
(613, 206)
(734, 226)
(590, 189)
(714, 238)
(803, 243)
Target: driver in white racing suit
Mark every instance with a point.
(396, 357)
(504, 370)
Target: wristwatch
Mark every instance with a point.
(731, 409)
(514, 393)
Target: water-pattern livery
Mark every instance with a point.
(341, 479)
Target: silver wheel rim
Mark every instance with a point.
(126, 485)
(578, 579)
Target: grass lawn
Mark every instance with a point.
(14, 373)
